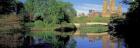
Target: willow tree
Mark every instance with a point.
(49, 10)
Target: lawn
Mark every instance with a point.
(85, 19)
(43, 26)
(93, 28)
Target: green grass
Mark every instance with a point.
(40, 25)
(85, 19)
(93, 28)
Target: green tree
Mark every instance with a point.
(66, 12)
(10, 24)
(128, 28)
(7, 6)
(49, 10)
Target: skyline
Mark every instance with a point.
(84, 6)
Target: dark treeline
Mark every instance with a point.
(10, 24)
(128, 28)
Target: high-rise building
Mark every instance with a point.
(105, 8)
(112, 6)
(109, 8)
(119, 11)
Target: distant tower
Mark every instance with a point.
(119, 10)
(112, 7)
(105, 8)
(109, 8)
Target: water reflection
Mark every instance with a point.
(79, 41)
(95, 41)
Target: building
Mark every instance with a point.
(105, 11)
(119, 11)
(81, 14)
(93, 13)
(109, 8)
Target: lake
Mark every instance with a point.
(96, 41)
(86, 40)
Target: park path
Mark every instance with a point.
(78, 33)
(92, 23)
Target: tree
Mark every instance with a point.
(133, 20)
(129, 30)
(10, 24)
(50, 10)
(66, 12)
(9, 6)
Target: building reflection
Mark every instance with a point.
(107, 41)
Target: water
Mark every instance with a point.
(92, 41)
(85, 42)
(89, 41)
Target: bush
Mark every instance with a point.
(117, 26)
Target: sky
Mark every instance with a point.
(83, 6)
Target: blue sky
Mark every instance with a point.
(83, 6)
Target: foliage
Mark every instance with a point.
(133, 20)
(40, 25)
(10, 6)
(52, 11)
(127, 28)
(6, 6)
(10, 24)
(116, 26)
(51, 38)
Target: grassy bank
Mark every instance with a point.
(43, 26)
(85, 19)
(93, 28)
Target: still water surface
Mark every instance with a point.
(92, 41)
(96, 41)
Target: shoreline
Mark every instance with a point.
(78, 33)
